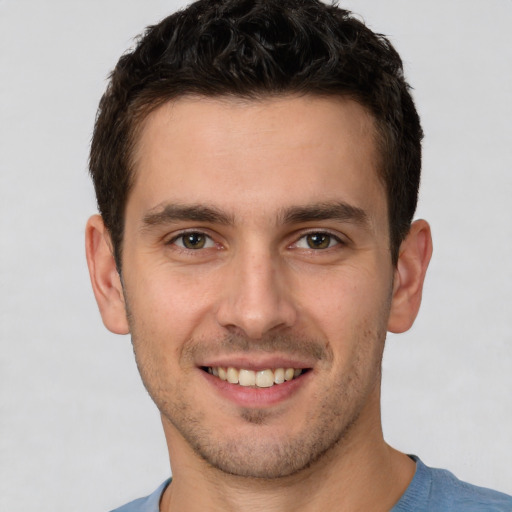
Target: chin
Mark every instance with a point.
(259, 451)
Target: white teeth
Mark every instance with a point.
(265, 379)
(223, 374)
(246, 378)
(261, 379)
(279, 376)
(232, 375)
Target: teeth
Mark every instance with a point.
(289, 374)
(260, 379)
(265, 379)
(246, 378)
(223, 374)
(232, 375)
(279, 376)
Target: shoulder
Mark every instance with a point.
(438, 490)
(450, 491)
(148, 504)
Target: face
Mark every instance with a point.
(258, 279)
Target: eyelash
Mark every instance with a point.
(210, 243)
(332, 238)
(181, 236)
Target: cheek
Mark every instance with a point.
(344, 296)
(167, 309)
(350, 312)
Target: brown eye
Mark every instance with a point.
(194, 241)
(318, 240)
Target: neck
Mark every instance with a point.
(361, 472)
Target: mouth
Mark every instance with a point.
(255, 379)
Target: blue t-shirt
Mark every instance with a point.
(438, 490)
(431, 490)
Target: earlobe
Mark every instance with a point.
(413, 260)
(105, 279)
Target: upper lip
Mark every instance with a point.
(256, 362)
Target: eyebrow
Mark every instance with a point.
(175, 212)
(339, 211)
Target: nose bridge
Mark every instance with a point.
(256, 299)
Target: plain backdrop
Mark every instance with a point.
(77, 430)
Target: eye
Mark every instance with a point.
(317, 240)
(193, 240)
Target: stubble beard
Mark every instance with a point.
(265, 454)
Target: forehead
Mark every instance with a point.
(265, 153)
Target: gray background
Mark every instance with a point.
(77, 430)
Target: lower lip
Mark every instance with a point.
(257, 397)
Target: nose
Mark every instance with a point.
(255, 297)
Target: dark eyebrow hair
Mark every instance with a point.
(341, 211)
(176, 212)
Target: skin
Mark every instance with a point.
(247, 180)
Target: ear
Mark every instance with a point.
(105, 279)
(413, 260)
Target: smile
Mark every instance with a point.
(250, 378)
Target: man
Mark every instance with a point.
(256, 165)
